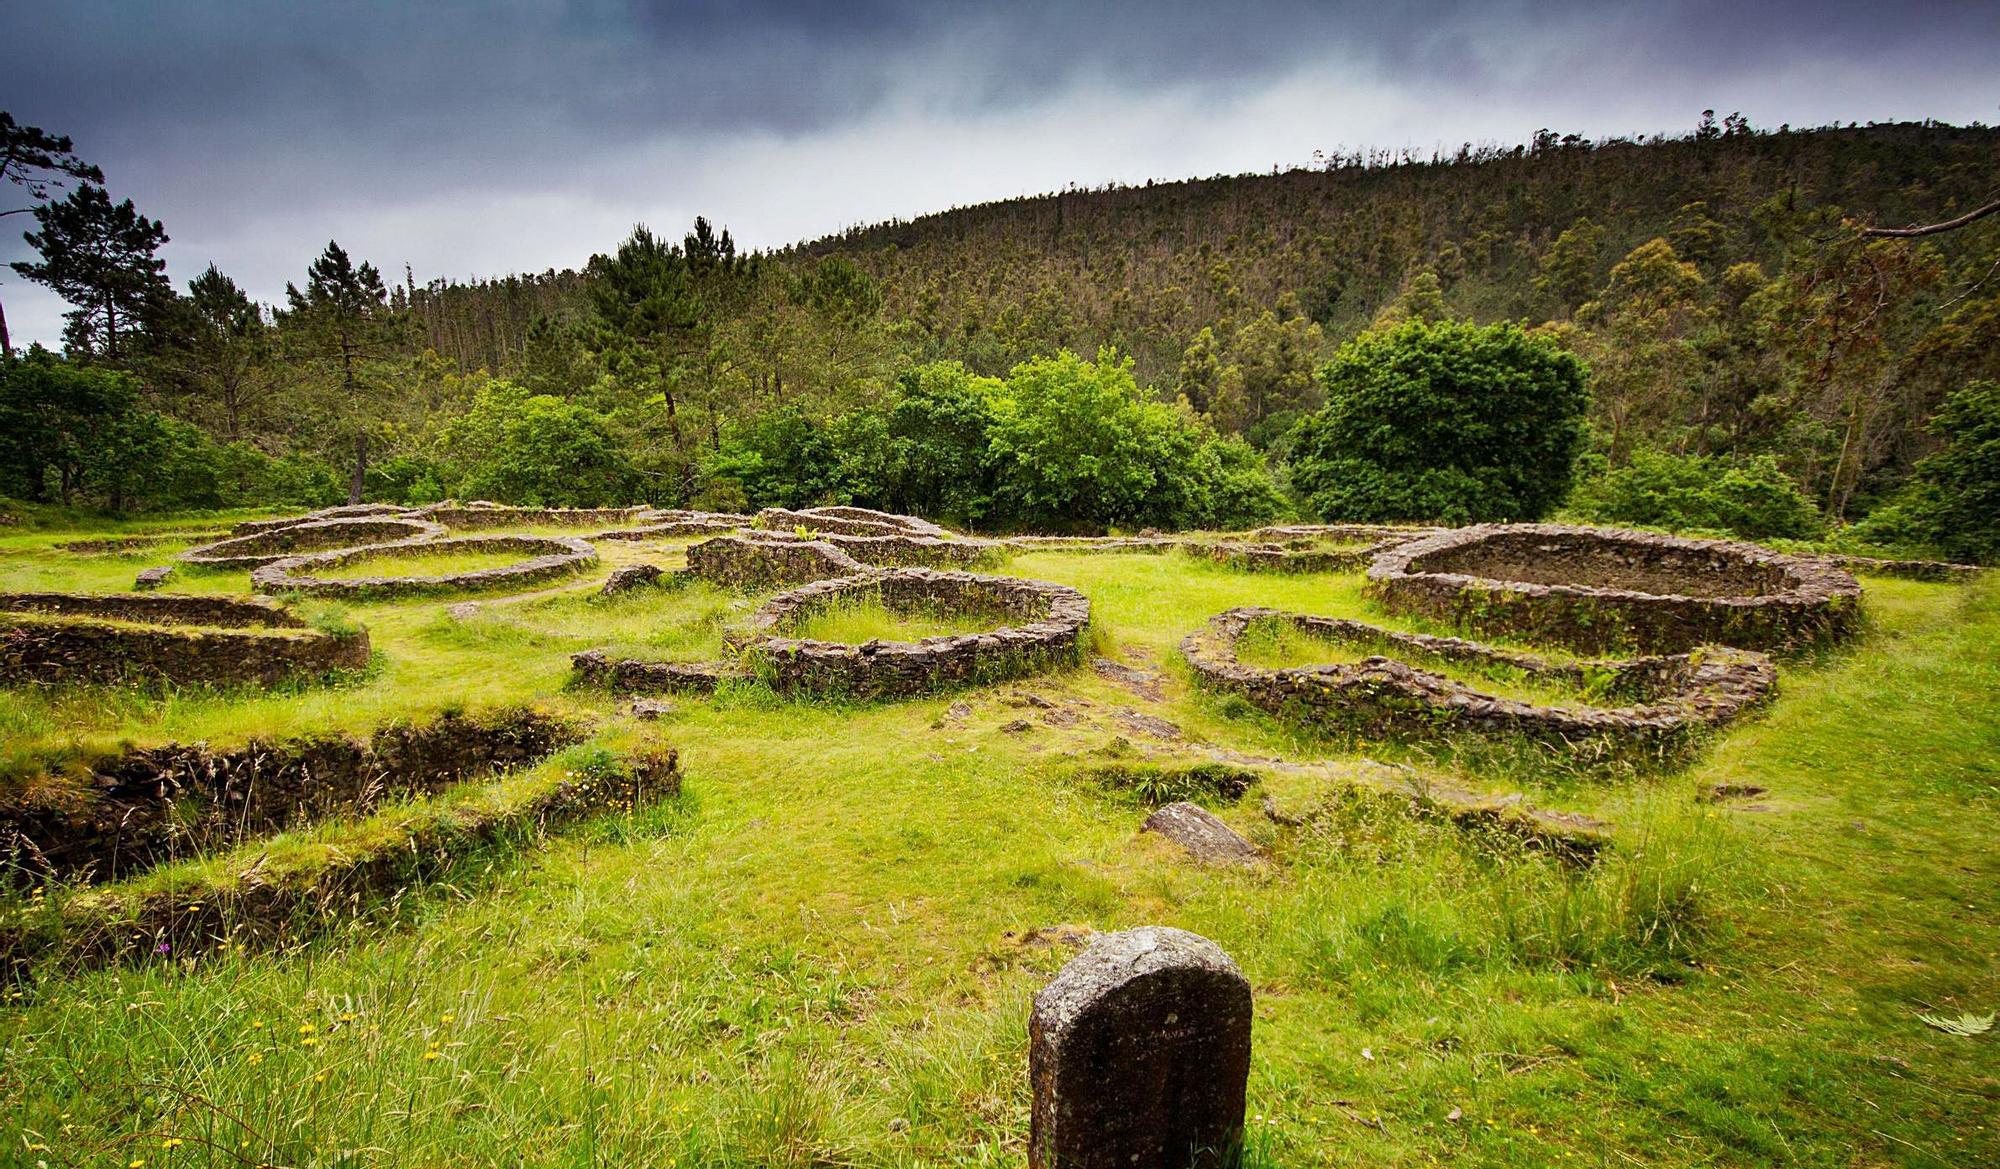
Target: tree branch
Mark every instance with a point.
(1931, 229)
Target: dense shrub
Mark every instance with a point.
(1442, 421)
(83, 436)
(1076, 444)
(1061, 443)
(1952, 504)
(533, 450)
(1751, 498)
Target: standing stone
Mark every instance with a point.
(1139, 1052)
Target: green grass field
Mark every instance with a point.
(815, 956)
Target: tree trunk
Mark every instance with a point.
(360, 468)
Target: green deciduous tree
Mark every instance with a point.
(533, 450)
(1953, 501)
(1449, 422)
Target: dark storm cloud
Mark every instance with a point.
(479, 137)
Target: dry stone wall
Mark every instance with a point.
(846, 521)
(1604, 589)
(129, 812)
(313, 536)
(761, 561)
(907, 551)
(49, 638)
(343, 512)
(1046, 631)
(478, 518)
(545, 558)
(1666, 702)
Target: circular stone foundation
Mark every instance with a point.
(346, 511)
(78, 637)
(846, 521)
(314, 536)
(546, 558)
(1649, 707)
(1604, 589)
(1044, 630)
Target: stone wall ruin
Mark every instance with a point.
(125, 813)
(51, 638)
(1604, 589)
(1655, 708)
(546, 558)
(1046, 630)
(312, 536)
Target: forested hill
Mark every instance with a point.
(1159, 355)
(1148, 267)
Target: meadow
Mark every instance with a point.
(820, 953)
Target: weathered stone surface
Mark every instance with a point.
(154, 804)
(1205, 837)
(344, 511)
(1139, 1055)
(475, 516)
(545, 558)
(1602, 589)
(188, 640)
(1045, 631)
(129, 545)
(276, 544)
(152, 578)
(759, 561)
(284, 905)
(1143, 682)
(667, 529)
(1150, 725)
(651, 709)
(636, 576)
(849, 521)
(908, 551)
(593, 667)
(1666, 701)
(1359, 533)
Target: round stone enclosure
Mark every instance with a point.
(1653, 707)
(1605, 589)
(313, 536)
(544, 558)
(847, 521)
(346, 511)
(1045, 629)
(76, 637)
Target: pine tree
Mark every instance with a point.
(100, 257)
(40, 163)
(344, 320)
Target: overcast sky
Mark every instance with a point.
(470, 139)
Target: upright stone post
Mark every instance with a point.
(1139, 1052)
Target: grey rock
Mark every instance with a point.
(1139, 1053)
(634, 576)
(1206, 838)
(152, 578)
